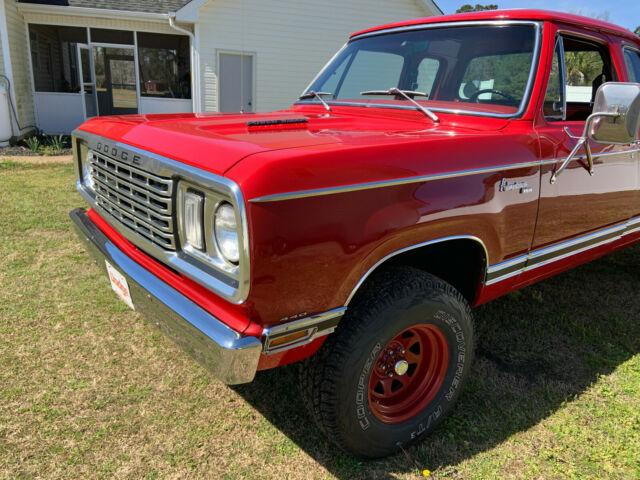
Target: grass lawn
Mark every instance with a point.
(88, 389)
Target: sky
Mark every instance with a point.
(625, 13)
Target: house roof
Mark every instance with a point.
(147, 6)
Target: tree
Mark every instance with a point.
(637, 31)
(478, 8)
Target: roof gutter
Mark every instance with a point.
(92, 12)
(195, 62)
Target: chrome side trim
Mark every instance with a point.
(505, 270)
(388, 183)
(498, 23)
(317, 326)
(227, 354)
(609, 232)
(544, 256)
(315, 192)
(231, 283)
(413, 247)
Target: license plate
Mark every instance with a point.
(119, 285)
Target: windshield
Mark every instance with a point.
(479, 69)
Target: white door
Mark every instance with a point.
(87, 81)
(236, 83)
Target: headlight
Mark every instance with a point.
(226, 232)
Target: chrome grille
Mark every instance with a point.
(137, 199)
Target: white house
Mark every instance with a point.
(68, 60)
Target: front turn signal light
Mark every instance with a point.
(193, 213)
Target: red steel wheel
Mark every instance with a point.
(408, 373)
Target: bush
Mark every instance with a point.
(48, 145)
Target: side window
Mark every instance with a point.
(371, 70)
(587, 65)
(632, 61)
(426, 75)
(554, 96)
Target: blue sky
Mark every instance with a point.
(621, 12)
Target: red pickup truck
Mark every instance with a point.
(432, 165)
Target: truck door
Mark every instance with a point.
(580, 212)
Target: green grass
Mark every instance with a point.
(88, 389)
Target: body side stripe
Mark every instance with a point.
(544, 256)
(417, 179)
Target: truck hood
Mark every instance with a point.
(216, 142)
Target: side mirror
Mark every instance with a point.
(623, 101)
(615, 119)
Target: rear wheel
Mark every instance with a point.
(394, 367)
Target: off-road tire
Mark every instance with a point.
(334, 382)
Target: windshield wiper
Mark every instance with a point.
(406, 94)
(318, 95)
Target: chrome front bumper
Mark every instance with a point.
(224, 352)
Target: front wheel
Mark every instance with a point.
(394, 367)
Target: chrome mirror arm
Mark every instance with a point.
(571, 135)
(582, 140)
(587, 149)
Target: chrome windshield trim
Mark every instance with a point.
(535, 60)
(413, 247)
(544, 256)
(425, 26)
(233, 286)
(471, 113)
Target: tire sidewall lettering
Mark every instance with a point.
(445, 320)
(460, 349)
(362, 398)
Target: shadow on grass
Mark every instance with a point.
(536, 349)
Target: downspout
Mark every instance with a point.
(6, 57)
(195, 66)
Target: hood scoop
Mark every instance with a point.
(277, 124)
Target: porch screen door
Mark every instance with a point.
(87, 81)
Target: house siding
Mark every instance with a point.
(19, 66)
(291, 40)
